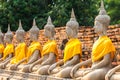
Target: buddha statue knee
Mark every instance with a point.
(72, 51)
(102, 53)
(20, 50)
(9, 49)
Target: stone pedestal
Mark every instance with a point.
(17, 75)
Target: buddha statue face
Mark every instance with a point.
(34, 32)
(20, 33)
(33, 36)
(47, 33)
(49, 30)
(8, 36)
(72, 26)
(101, 21)
(98, 27)
(20, 37)
(8, 39)
(69, 32)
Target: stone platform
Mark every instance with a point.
(17, 75)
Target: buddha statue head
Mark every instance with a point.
(1, 37)
(34, 32)
(72, 26)
(20, 33)
(102, 21)
(8, 36)
(49, 29)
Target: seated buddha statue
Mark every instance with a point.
(33, 51)
(21, 49)
(1, 44)
(8, 52)
(72, 51)
(102, 52)
(49, 54)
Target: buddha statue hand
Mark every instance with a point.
(51, 68)
(87, 71)
(26, 68)
(13, 67)
(74, 70)
(2, 66)
(109, 74)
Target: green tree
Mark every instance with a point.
(113, 7)
(25, 10)
(59, 10)
(85, 11)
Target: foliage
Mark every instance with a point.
(59, 10)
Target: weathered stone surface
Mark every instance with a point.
(115, 76)
(56, 78)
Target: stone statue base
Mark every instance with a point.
(18, 75)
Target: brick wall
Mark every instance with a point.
(86, 35)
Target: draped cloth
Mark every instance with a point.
(20, 53)
(1, 48)
(8, 50)
(50, 47)
(72, 48)
(102, 47)
(33, 46)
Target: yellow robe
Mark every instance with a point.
(33, 46)
(20, 52)
(50, 47)
(102, 47)
(72, 48)
(8, 50)
(1, 48)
